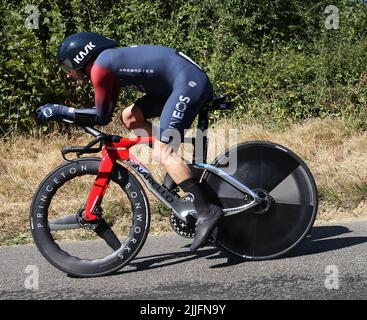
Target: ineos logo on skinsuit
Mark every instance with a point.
(179, 112)
(177, 117)
(82, 54)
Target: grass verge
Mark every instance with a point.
(336, 155)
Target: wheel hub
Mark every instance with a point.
(89, 225)
(266, 201)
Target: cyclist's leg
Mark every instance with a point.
(191, 90)
(189, 94)
(135, 116)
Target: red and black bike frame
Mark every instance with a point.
(181, 207)
(111, 152)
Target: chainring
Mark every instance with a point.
(181, 228)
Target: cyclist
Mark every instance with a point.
(175, 88)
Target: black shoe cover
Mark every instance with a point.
(205, 225)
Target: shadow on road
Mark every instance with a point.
(321, 239)
(168, 259)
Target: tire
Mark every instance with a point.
(285, 177)
(56, 195)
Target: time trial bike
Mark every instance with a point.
(269, 199)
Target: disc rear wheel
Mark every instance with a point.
(289, 208)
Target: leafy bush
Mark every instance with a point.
(276, 59)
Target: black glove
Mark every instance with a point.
(51, 111)
(83, 117)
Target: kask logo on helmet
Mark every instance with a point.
(82, 54)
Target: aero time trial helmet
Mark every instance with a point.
(76, 50)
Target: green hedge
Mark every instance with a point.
(275, 58)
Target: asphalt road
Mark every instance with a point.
(329, 264)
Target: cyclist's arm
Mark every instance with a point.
(105, 92)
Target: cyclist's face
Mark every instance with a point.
(78, 76)
(81, 76)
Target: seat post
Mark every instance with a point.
(203, 124)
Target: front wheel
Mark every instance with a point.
(279, 176)
(59, 233)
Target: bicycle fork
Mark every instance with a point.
(111, 152)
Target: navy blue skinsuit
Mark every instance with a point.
(175, 86)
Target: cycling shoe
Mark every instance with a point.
(205, 225)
